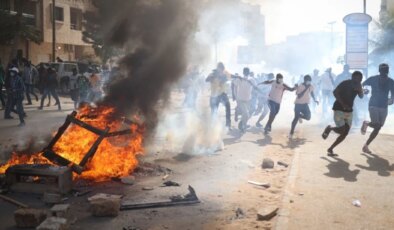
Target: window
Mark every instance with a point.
(75, 19)
(59, 13)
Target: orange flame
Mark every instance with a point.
(115, 156)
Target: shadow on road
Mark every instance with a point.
(339, 168)
(236, 136)
(294, 143)
(267, 140)
(378, 164)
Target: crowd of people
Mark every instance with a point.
(20, 80)
(262, 95)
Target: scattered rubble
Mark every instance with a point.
(8, 199)
(268, 163)
(130, 180)
(267, 213)
(265, 185)
(170, 183)
(356, 203)
(60, 210)
(53, 223)
(239, 213)
(147, 188)
(29, 217)
(52, 198)
(105, 207)
(149, 169)
(282, 164)
(188, 199)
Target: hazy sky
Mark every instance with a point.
(290, 17)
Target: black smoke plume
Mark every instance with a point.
(155, 35)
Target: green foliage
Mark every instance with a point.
(12, 26)
(384, 42)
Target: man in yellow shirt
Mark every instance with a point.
(218, 80)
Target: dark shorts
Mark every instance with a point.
(378, 115)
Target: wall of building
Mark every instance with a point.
(64, 33)
(69, 43)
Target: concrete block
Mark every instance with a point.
(105, 207)
(60, 210)
(29, 217)
(53, 223)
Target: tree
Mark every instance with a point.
(384, 43)
(15, 27)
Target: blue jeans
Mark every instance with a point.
(48, 92)
(300, 111)
(30, 90)
(274, 110)
(214, 103)
(19, 108)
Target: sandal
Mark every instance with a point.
(330, 153)
(326, 132)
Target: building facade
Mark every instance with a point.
(69, 26)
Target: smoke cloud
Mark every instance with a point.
(156, 34)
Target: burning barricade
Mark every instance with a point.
(93, 143)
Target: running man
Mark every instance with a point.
(381, 85)
(218, 79)
(243, 87)
(301, 109)
(344, 94)
(275, 98)
(263, 106)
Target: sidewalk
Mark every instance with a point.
(321, 189)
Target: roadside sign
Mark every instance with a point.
(357, 40)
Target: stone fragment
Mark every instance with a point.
(29, 217)
(130, 180)
(52, 198)
(104, 196)
(267, 163)
(267, 213)
(147, 188)
(60, 210)
(53, 223)
(105, 207)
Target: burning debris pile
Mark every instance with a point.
(114, 142)
(155, 34)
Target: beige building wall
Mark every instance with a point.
(69, 43)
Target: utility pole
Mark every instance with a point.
(365, 6)
(53, 30)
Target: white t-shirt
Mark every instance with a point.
(276, 92)
(305, 99)
(244, 88)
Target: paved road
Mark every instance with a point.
(321, 189)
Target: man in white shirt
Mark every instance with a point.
(243, 87)
(327, 83)
(275, 98)
(301, 109)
